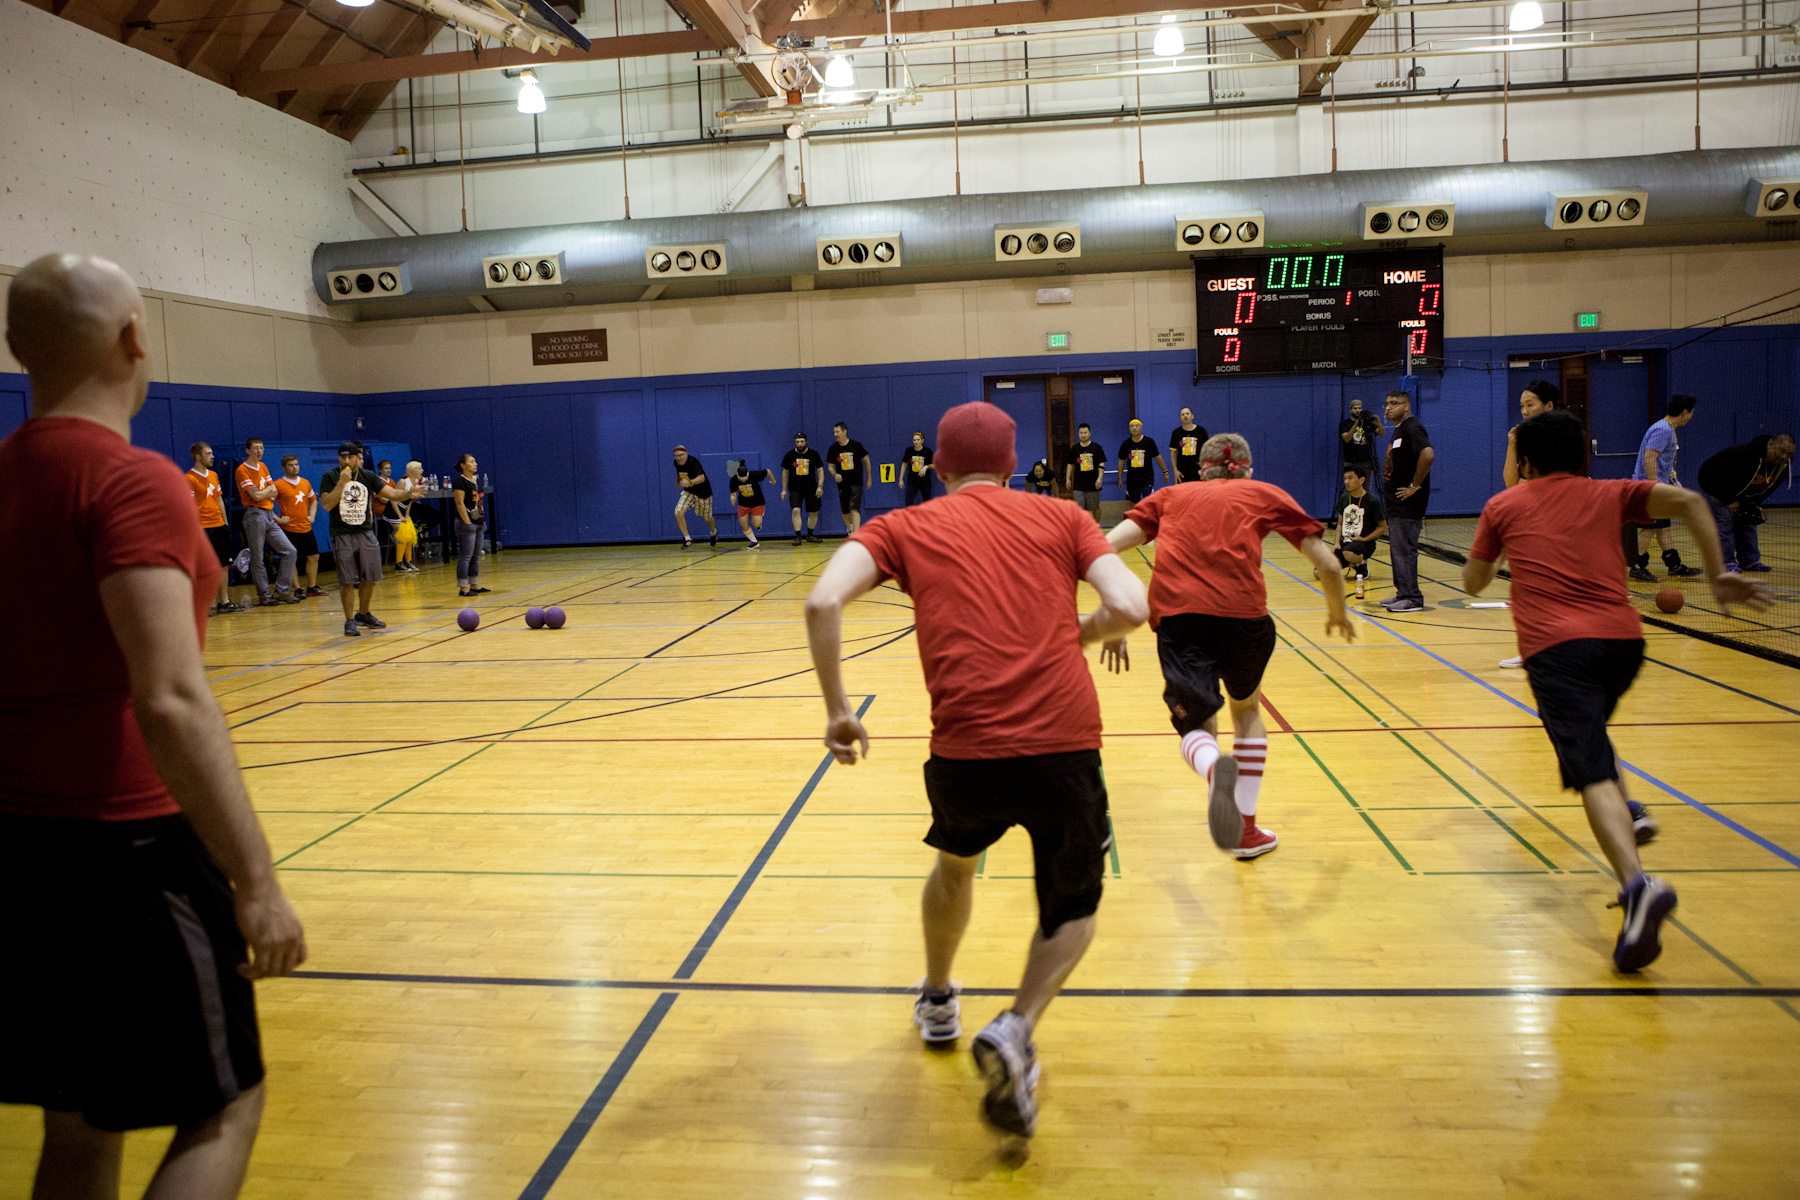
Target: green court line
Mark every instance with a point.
(1112, 845)
(981, 866)
(1345, 793)
(459, 762)
(1486, 872)
(425, 812)
(1492, 815)
(551, 874)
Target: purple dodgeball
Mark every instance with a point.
(468, 618)
(554, 618)
(534, 617)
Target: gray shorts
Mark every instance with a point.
(357, 556)
(1088, 500)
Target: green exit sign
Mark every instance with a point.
(1587, 321)
(1056, 341)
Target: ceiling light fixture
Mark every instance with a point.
(1526, 16)
(531, 97)
(356, 3)
(1169, 43)
(839, 73)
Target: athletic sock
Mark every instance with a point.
(1643, 561)
(1201, 750)
(1251, 754)
(1671, 558)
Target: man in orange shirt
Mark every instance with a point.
(209, 500)
(257, 491)
(299, 504)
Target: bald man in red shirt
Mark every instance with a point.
(1210, 611)
(137, 896)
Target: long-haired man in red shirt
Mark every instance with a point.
(1581, 639)
(1015, 719)
(137, 897)
(1210, 610)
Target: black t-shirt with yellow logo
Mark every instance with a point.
(847, 459)
(747, 490)
(913, 463)
(805, 468)
(1137, 458)
(1185, 445)
(1089, 462)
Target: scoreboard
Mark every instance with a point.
(1295, 313)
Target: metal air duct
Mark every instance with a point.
(1695, 197)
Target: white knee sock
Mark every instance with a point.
(1251, 755)
(1201, 750)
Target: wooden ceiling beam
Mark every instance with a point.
(314, 75)
(1320, 39)
(199, 40)
(366, 100)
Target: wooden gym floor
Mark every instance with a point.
(590, 915)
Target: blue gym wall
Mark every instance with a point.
(589, 462)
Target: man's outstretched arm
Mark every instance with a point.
(850, 573)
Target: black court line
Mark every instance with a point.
(552, 1167)
(254, 720)
(570, 1141)
(1649, 990)
(1740, 691)
(691, 963)
(696, 629)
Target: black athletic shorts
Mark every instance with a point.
(220, 537)
(1577, 685)
(850, 498)
(1060, 799)
(1135, 491)
(306, 545)
(1362, 548)
(1199, 650)
(1664, 523)
(122, 1000)
(810, 503)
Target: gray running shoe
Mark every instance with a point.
(939, 1018)
(1222, 810)
(1009, 1063)
(350, 629)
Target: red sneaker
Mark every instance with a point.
(1256, 840)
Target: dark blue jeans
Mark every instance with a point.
(468, 554)
(1737, 539)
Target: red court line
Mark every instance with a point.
(383, 662)
(1273, 712)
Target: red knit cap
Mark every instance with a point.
(976, 439)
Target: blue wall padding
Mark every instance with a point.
(591, 462)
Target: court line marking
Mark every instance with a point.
(566, 1146)
(1581, 849)
(1740, 691)
(603, 1092)
(691, 963)
(1650, 990)
(696, 629)
(1778, 851)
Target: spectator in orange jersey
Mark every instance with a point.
(298, 504)
(209, 500)
(257, 492)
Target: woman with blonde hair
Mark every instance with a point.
(406, 534)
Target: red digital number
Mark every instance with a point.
(1431, 299)
(1415, 341)
(1245, 313)
(1233, 347)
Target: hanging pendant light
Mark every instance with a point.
(1526, 16)
(1169, 41)
(839, 73)
(531, 97)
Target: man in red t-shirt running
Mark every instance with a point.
(1015, 719)
(137, 897)
(1580, 637)
(1210, 610)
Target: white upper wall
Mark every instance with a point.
(189, 187)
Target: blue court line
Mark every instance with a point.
(603, 1091)
(691, 963)
(1785, 855)
(254, 720)
(1740, 691)
(1088, 993)
(564, 1150)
